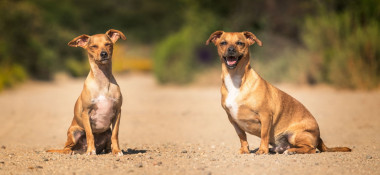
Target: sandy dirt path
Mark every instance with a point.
(180, 130)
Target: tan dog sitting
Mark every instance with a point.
(99, 105)
(256, 107)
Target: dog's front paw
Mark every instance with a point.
(262, 151)
(244, 150)
(117, 153)
(91, 152)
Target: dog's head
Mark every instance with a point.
(99, 46)
(233, 46)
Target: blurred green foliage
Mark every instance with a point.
(346, 46)
(176, 58)
(329, 41)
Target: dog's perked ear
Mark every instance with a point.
(214, 36)
(252, 38)
(80, 41)
(115, 35)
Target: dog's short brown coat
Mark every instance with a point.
(99, 105)
(255, 106)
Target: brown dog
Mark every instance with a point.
(256, 107)
(99, 104)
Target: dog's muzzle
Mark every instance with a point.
(232, 61)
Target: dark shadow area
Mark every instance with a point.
(255, 150)
(133, 151)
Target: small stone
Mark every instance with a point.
(45, 159)
(3, 147)
(2, 162)
(39, 167)
(369, 157)
(118, 159)
(157, 163)
(139, 165)
(316, 163)
(184, 151)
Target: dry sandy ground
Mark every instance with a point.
(180, 130)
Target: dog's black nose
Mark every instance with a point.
(103, 54)
(231, 50)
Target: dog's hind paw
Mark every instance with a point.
(289, 152)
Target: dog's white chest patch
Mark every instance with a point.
(102, 113)
(233, 86)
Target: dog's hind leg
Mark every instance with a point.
(302, 143)
(73, 135)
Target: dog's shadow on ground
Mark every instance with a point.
(255, 150)
(133, 151)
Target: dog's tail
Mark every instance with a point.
(62, 151)
(323, 148)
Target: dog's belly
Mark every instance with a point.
(102, 114)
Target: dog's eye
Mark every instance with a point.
(94, 46)
(239, 43)
(107, 44)
(223, 43)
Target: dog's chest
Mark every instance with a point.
(102, 113)
(233, 87)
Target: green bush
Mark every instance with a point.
(347, 51)
(77, 68)
(175, 58)
(292, 66)
(10, 75)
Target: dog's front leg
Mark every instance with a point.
(89, 136)
(244, 149)
(115, 135)
(266, 124)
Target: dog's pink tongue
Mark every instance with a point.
(231, 62)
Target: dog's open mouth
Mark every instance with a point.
(232, 61)
(104, 60)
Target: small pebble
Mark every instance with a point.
(157, 163)
(369, 157)
(184, 151)
(3, 147)
(140, 165)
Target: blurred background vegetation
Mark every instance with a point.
(322, 41)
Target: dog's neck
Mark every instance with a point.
(242, 71)
(101, 74)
